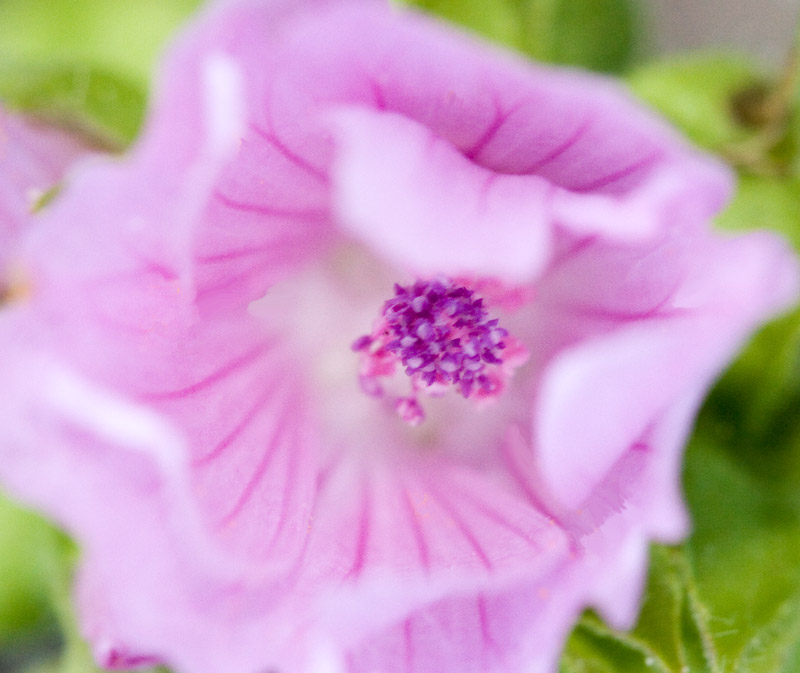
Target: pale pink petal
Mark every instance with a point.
(518, 628)
(620, 172)
(461, 219)
(33, 159)
(240, 474)
(165, 497)
(389, 538)
(599, 396)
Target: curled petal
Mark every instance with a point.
(462, 218)
(599, 396)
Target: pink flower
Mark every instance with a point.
(275, 459)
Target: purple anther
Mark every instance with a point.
(424, 329)
(445, 325)
(362, 343)
(419, 303)
(414, 362)
(497, 335)
(442, 336)
(449, 363)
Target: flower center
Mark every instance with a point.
(443, 337)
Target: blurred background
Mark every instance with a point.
(764, 28)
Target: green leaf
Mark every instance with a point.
(595, 34)
(696, 93)
(497, 20)
(106, 109)
(765, 202)
(84, 64)
(33, 552)
(39, 632)
(123, 37)
(745, 557)
(728, 601)
(31, 549)
(725, 104)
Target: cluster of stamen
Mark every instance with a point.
(442, 336)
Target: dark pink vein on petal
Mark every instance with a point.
(146, 267)
(483, 618)
(416, 529)
(267, 211)
(222, 373)
(156, 268)
(362, 540)
(465, 530)
(325, 473)
(272, 138)
(495, 516)
(238, 428)
(323, 476)
(278, 437)
(611, 178)
(232, 280)
(377, 94)
(521, 477)
(486, 633)
(231, 255)
(409, 646)
(491, 131)
(289, 487)
(573, 251)
(486, 187)
(557, 151)
(661, 311)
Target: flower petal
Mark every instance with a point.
(389, 538)
(240, 475)
(534, 149)
(422, 204)
(598, 397)
(516, 628)
(33, 158)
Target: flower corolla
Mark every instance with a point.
(377, 353)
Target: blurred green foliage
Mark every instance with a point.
(84, 64)
(123, 37)
(104, 108)
(31, 565)
(696, 93)
(594, 34)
